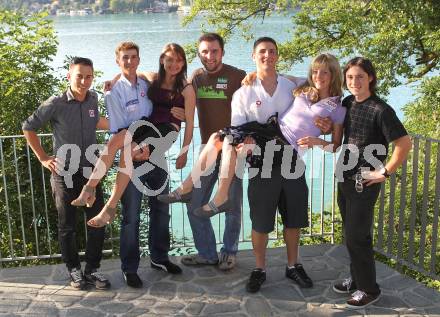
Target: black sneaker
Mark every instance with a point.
(257, 278)
(346, 286)
(77, 280)
(166, 266)
(97, 279)
(299, 276)
(132, 279)
(360, 299)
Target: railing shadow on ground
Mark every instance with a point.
(406, 224)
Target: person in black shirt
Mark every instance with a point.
(370, 125)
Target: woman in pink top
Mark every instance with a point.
(319, 96)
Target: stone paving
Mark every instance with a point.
(207, 291)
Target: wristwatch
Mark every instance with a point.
(384, 172)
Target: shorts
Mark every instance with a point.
(290, 196)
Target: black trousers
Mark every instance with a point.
(357, 211)
(67, 219)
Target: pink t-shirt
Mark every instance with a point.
(298, 120)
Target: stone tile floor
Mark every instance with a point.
(207, 291)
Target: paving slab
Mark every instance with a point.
(83, 312)
(194, 308)
(257, 307)
(221, 308)
(207, 291)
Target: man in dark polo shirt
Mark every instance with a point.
(74, 118)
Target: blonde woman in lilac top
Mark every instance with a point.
(319, 96)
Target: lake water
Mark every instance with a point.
(97, 36)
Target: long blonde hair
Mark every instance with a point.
(329, 61)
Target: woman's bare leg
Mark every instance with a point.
(104, 162)
(107, 157)
(207, 158)
(123, 177)
(226, 175)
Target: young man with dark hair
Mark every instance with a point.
(214, 84)
(269, 94)
(370, 125)
(76, 107)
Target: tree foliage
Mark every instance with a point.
(27, 46)
(401, 37)
(422, 116)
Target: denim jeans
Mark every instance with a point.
(67, 215)
(203, 233)
(357, 211)
(158, 233)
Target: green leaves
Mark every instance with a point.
(401, 37)
(27, 46)
(423, 115)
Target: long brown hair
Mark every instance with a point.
(180, 77)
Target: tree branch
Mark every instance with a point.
(238, 20)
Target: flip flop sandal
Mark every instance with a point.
(175, 197)
(105, 217)
(86, 198)
(213, 209)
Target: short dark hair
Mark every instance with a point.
(265, 39)
(367, 66)
(211, 37)
(76, 60)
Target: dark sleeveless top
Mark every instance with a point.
(163, 100)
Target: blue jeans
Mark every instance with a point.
(203, 233)
(158, 233)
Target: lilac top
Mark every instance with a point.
(298, 120)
